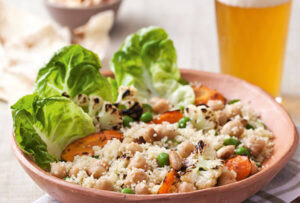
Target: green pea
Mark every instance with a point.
(127, 120)
(182, 122)
(127, 190)
(242, 151)
(174, 141)
(233, 101)
(248, 126)
(147, 108)
(146, 117)
(231, 141)
(181, 108)
(163, 159)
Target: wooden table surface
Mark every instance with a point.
(191, 24)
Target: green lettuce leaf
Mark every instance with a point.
(73, 70)
(43, 127)
(147, 60)
(114, 88)
(26, 135)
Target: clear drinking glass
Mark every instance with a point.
(252, 39)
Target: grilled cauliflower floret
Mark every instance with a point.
(90, 104)
(95, 105)
(81, 100)
(204, 173)
(127, 94)
(128, 97)
(110, 117)
(201, 117)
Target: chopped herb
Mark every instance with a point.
(233, 101)
(183, 81)
(174, 141)
(181, 108)
(216, 133)
(260, 123)
(265, 127)
(182, 122)
(248, 126)
(96, 157)
(127, 191)
(122, 107)
(67, 177)
(201, 169)
(258, 164)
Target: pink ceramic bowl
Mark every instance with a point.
(272, 113)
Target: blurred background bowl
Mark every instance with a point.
(75, 17)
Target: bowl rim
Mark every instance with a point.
(104, 6)
(29, 164)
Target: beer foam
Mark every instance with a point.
(253, 3)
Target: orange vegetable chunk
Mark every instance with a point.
(170, 116)
(167, 183)
(241, 165)
(84, 146)
(203, 94)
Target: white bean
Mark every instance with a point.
(135, 176)
(148, 134)
(159, 105)
(225, 152)
(175, 160)
(138, 162)
(141, 188)
(58, 170)
(186, 187)
(165, 131)
(233, 128)
(103, 184)
(185, 149)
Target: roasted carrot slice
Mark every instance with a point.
(84, 146)
(241, 165)
(170, 116)
(204, 94)
(167, 183)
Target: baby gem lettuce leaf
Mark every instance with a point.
(147, 60)
(73, 70)
(43, 127)
(26, 135)
(114, 88)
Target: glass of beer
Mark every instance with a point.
(252, 38)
